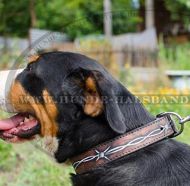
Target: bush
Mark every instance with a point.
(175, 56)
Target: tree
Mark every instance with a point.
(15, 18)
(76, 18)
(180, 10)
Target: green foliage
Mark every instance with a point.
(15, 18)
(179, 10)
(175, 56)
(81, 17)
(76, 18)
(125, 17)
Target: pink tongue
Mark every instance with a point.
(11, 122)
(24, 127)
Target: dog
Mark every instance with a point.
(61, 96)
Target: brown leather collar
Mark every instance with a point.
(123, 145)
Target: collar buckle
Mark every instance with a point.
(180, 121)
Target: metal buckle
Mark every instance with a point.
(180, 119)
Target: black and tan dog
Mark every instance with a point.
(63, 96)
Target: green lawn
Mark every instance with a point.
(27, 165)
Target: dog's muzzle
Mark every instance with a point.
(7, 77)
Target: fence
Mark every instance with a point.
(133, 58)
(115, 59)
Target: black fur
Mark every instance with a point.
(63, 74)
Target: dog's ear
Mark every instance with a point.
(100, 91)
(93, 105)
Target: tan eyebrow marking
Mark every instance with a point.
(33, 58)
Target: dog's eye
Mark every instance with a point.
(29, 68)
(77, 115)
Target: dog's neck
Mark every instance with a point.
(93, 131)
(90, 132)
(100, 133)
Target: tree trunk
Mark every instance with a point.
(149, 9)
(32, 13)
(107, 19)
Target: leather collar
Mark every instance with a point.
(125, 144)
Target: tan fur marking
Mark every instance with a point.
(90, 84)
(52, 112)
(33, 58)
(46, 113)
(19, 99)
(93, 103)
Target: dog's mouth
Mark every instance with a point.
(19, 127)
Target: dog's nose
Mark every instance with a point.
(7, 77)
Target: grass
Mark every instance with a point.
(175, 56)
(29, 166)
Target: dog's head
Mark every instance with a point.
(68, 97)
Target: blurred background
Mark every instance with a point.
(144, 43)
